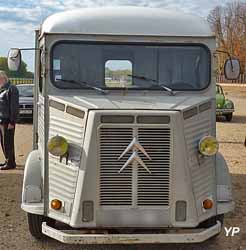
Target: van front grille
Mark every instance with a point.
(135, 186)
(153, 189)
(115, 188)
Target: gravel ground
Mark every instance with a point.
(14, 233)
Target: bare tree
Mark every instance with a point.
(229, 25)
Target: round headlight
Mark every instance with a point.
(57, 145)
(228, 104)
(208, 146)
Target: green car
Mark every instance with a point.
(224, 107)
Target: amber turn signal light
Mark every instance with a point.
(56, 204)
(208, 204)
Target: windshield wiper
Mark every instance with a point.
(156, 84)
(86, 84)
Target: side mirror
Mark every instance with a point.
(14, 59)
(232, 69)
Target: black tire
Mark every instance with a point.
(211, 222)
(35, 225)
(229, 117)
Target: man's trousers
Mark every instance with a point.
(8, 145)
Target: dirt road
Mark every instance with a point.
(14, 233)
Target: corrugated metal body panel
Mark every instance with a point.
(63, 176)
(41, 123)
(201, 168)
(71, 128)
(73, 132)
(62, 180)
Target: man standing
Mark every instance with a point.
(9, 109)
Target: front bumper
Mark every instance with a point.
(179, 236)
(224, 111)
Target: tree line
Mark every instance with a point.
(22, 73)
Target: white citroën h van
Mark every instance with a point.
(124, 129)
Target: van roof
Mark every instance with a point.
(127, 21)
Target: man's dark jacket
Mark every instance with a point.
(9, 104)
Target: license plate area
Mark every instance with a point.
(26, 111)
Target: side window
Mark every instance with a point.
(118, 73)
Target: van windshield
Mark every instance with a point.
(113, 66)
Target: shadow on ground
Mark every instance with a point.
(236, 119)
(25, 121)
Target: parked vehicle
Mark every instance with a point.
(125, 145)
(224, 106)
(26, 92)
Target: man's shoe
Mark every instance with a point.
(6, 167)
(2, 164)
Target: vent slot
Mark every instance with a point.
(117, 119)
(75, 112)
(190, 112)
(57, 105)
(156, 119)
(205, 106)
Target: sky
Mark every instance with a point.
(19, 18)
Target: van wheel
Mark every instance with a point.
(229, 117)
(35, 224)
